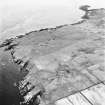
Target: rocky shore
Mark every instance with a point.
(59, 60)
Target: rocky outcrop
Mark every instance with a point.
(57, 59)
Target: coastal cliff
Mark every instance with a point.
(59, 60)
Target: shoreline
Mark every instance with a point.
(84, 18)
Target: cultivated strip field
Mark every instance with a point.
(94, 95)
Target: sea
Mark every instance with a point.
(18, 17)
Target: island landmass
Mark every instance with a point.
(60, 61)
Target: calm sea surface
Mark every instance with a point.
(22, 18)
(9, 75)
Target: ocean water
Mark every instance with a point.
(22, 16)
(9, 75)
